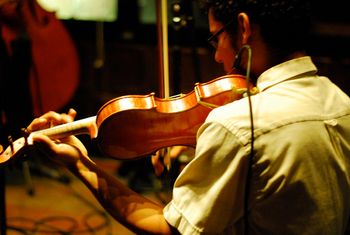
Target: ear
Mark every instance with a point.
(245, 27)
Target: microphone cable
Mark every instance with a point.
(251, 155)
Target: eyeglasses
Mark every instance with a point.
(213, 39)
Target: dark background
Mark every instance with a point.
(131, 62)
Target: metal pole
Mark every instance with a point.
(2, 203)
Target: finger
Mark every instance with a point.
(176, 151)
(157, 164)
(155, 158)
(66, 117)
(50, 119)
(166, 159)
(72, 113)
(63, 154)
(158, 168)
(62, 118)
(37, 123)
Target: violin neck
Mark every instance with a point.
(83, 126)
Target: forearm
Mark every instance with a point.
(134, 211)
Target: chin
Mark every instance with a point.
(228, 71)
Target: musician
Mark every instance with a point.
(291, 177)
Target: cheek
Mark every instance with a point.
(225, 53)
(228, 49)
(228, 58)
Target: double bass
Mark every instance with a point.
(54, 69)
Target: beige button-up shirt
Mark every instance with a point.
(300, 181)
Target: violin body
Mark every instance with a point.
(134, 126)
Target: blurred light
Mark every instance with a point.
(92, 10)
(147, 11)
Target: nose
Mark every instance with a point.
(217, 57)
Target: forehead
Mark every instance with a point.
(214, 25)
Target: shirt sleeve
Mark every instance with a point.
(208, 194)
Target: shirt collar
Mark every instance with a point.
(291, 69)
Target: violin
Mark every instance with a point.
(134, 126)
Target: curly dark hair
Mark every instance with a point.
(285, 24)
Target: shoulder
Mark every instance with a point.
(232, 118)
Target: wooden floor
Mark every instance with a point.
(52, 205)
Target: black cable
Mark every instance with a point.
(20, 229)
(92, 229)
(47, 224)
(51, 229)
(251, 156)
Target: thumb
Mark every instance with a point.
(60, 153)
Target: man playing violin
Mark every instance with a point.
(290, 177)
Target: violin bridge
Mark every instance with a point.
(201, 102)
